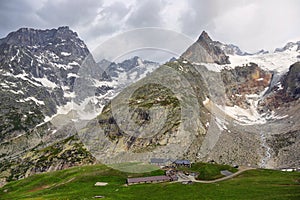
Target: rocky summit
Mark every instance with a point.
(60, 107)
(205, 50)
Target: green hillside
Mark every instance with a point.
(78, 183)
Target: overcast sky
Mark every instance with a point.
(252, 25)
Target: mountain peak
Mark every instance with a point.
(63, 28)
(38, 37)
(204, 36)
(205, 50)
(23, 30)
(290, 46)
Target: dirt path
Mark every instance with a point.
(241, 170)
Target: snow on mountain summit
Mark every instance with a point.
(291, 46)
(279, 61)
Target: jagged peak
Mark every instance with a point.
(262, 51)
(206, 50)
(290, 46)
(26, 29)
(32, 36)
(204, 37)
(63, 28)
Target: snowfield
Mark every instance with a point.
(279, 61)
(275, 61)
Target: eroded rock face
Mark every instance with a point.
(286, 90)
(205, 50)
(242, 81)
(291, 83)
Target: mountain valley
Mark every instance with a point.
(62, 108)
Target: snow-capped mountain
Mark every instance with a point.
(291, 46)
(271, 68)
(92, 93)
(129, 71)
(50, 68)
(38, 69)
(50, 79)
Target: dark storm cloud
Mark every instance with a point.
(16, 14)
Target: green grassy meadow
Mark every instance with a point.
(78, 183)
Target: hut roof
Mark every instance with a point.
(148, 179)
(182, 162)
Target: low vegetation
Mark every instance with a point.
(136, 167)
(78, 183)
(208, 171)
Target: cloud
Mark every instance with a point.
(252, 25)
(200, 15)
(16, 14)
(155, 41)
(260, 24)
(69, 12)
(146, 14)
(109, 20)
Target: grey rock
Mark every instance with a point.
(205, 50)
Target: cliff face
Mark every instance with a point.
(242, 81)
(37, 72)
(37, 75)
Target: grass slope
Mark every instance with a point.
(78, 183)
(208, 171)
(134, 167)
